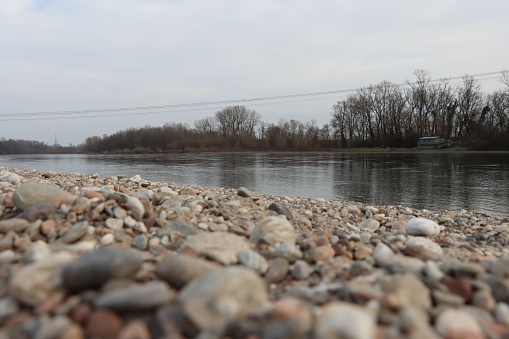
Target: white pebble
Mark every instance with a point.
(422, 226)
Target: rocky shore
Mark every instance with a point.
(90, 256)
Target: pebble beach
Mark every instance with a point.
(93, 256)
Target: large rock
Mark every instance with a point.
(222, 295)
(38, 282)
(222, 247)
(31, 193)
(178, 270)
(273, 230)
(95, 268)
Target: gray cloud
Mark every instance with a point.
(74, 55)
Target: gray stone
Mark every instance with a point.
(220, 246)
(253, 260)
(31, 193)
(272, 230)
(138, 297)
(136, 208)
(221, 295)
(289, 251)
(15, 224)
(281, 210)
(140, 242)
(244, 192)
(301, 270)
(8, 307)
(11, 178)
(342, 320)
(42, 211)
(278, 270)
(76, 232)
(422, 227)
(179, 270)
(370, 225)
(114, 223)
(182, 228)
(93, 269)
(502, 313)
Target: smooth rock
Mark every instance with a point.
(244, 192)
(221, 295)
(342, 320)
(31, 193)
(140, 242)
(95, 268)
(219, 246)
(425, 243)
(179, 270)
(136, 207)
(135, 329)
(301, 270)
(103, 324)
(289, 251)
(8, 307)
(15, 224)
(136, 298)
(76, 232)
(114, 223)
(457, 323)
(371, 225)
(272, 230)
(422, 227)
(39, 282)
(502, 313)
(281, 210)
(253, 260)
(11, 178)
(278, 270)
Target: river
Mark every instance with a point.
(434, 181)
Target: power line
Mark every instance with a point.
(91, 113)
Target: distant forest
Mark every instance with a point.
(380, 115)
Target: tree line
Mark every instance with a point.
(380, 115)
(19, 146)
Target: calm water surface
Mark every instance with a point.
(435, 181)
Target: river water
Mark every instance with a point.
(434, 181)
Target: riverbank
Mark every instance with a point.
(95, 256)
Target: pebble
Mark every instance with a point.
(111, 257)
(179, 270)
(31, 193)
(136, 298)
(253, 260)
(272, 230)
(15, 225)
(422, 227)
(244, 192)
(39, 281)
(76, 232)
(221, 295)
(95, 268)
(341, 320)
(220, 246)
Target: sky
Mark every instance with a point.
(71, 69)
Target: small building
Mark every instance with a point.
(432, 142)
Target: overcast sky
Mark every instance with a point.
(79, 55)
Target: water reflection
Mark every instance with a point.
(474, 181)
